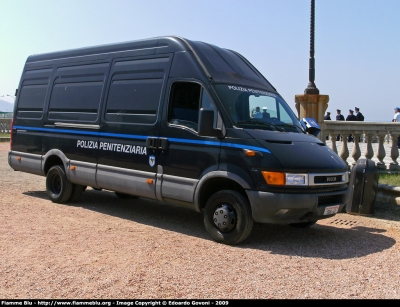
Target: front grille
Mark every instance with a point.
(329, 199)
(327, 179)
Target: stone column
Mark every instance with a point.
(356, 153)
(314, 106)
(381, 150)
(394, 153)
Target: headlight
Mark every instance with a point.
(296, 179)
(279, 178)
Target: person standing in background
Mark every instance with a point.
(339, 117)
(360, 118)
(352, 118)
(396, 119)
(327, 116)
(359, 115)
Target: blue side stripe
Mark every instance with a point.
(83, 132)
(142, 137)
(210, 143)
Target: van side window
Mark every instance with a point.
(76, 93)
(75, 101)
(31, 101)
(185, 101)
(32, 95)
(133, 101)
(135, 89)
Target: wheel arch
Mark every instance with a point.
(217, 181)
(54, 157)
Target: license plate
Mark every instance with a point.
(331, 210)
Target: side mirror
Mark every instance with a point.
(206, 123)
(311, 126)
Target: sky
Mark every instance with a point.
(357, 45)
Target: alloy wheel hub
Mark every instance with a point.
(224, 217)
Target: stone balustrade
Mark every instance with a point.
(5, 124)
(369, 132)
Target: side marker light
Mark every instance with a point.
(249, 153)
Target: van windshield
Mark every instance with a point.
(252, 108)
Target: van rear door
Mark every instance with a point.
(27, 132)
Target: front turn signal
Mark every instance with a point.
(274, 178)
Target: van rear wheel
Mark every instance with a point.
(58, 187)
(77, 191)
(227, 217)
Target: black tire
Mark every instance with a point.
(303, 224)
(124, 195)
(77, 191)
(58, 187)
(236, 222)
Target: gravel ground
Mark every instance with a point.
(102, 247)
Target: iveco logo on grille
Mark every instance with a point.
(330, 179)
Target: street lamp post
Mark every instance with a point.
(311, 103)
(311, 88)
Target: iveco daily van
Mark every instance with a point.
(174, 120)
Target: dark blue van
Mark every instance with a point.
(178, 121)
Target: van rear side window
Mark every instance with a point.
(32, 95)
(31, 101)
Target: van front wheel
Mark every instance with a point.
(125, 196)
(58, 187)
(227, 217)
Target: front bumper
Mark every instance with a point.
(284, 208)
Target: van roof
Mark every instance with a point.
(219, 64)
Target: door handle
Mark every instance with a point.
(162, 143)
(151, 143)
(157, 143)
